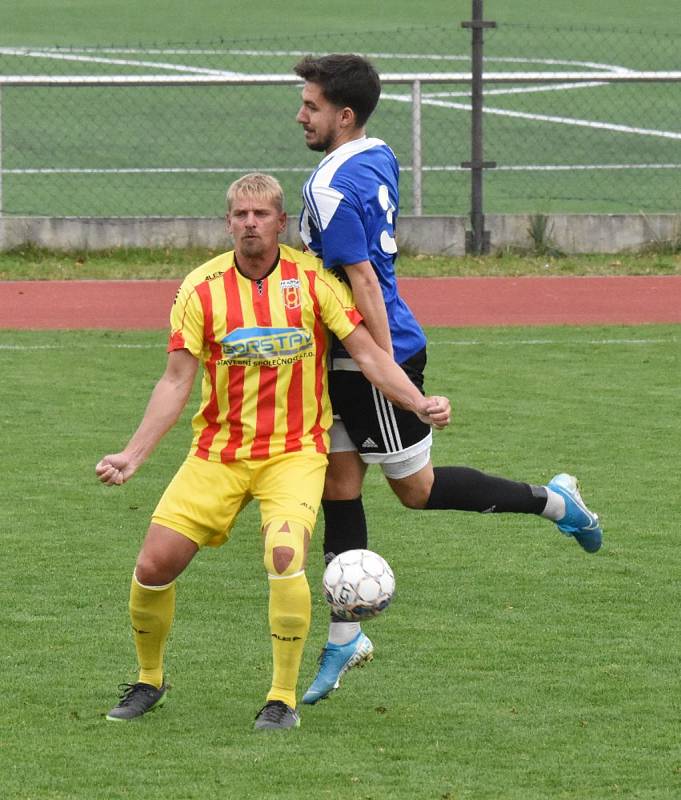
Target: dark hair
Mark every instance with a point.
(346, 80)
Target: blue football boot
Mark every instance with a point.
(334, 661)
(578, 520)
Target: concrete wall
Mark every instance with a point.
(570, 233)
(587, 233)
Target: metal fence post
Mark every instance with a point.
(1, 173)
(477, 239)
(416, 157)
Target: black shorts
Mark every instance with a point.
(379, 431)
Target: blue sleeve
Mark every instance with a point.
(344, 238)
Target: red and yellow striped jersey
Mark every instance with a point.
(263, 345)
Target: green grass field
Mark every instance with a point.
(510, 666)
(41, 22)
(172, 150)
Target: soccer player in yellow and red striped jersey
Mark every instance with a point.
(263, 346)
(259, 320)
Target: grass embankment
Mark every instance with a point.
(31, 263)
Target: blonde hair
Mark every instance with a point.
(257, 184)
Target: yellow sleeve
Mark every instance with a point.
(336, 303)
(186, 321)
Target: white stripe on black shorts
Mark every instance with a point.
(379, 430)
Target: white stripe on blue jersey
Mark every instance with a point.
(351, 206)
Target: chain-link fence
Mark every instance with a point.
(170, 150)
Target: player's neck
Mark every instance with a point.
(256, 268)
(346, 136)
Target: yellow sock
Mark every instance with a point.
(290, 612)
(152, 609)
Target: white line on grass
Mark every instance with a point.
(242, 170)
(547, 167)
(81, 55)
(121, 62)
(431, 343)
(551, 342)
(144, 170)
(549, 87)
(53, 52)
(72, 346)
(575, 121)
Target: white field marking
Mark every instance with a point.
(240, 170)
(431, 343)
(427, 100)
(547, 167)
(549, 342)
(120, 346)
(559, 167)
(549, 87)
(583, 123)
(145, 170)
(61, 56)
(264, 53)
(405, 168)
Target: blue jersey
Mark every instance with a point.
(351, 203)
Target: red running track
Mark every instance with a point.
(626, 300)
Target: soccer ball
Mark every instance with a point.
(358, 584)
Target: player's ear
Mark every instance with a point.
(347, 117)
(283, 217)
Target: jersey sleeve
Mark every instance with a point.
(186, 321)
(342, 232)
(336, 305)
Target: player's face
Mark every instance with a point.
(322, 121)
(255, 225)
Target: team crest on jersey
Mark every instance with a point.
(290, 291)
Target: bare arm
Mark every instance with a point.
(166, 403)
(368, 296)
(392, 380)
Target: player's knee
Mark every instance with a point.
(158, 567)
(286, 543)
(164, 555)
(152, 571)
(339, 488)
(413, 490)
(414, 497)
(414, 502)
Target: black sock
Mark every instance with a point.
(466, 489)
(345, 526)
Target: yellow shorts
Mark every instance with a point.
(204, 498)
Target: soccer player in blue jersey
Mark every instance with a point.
(351, 203)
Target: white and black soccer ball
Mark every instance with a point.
(358, 585)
